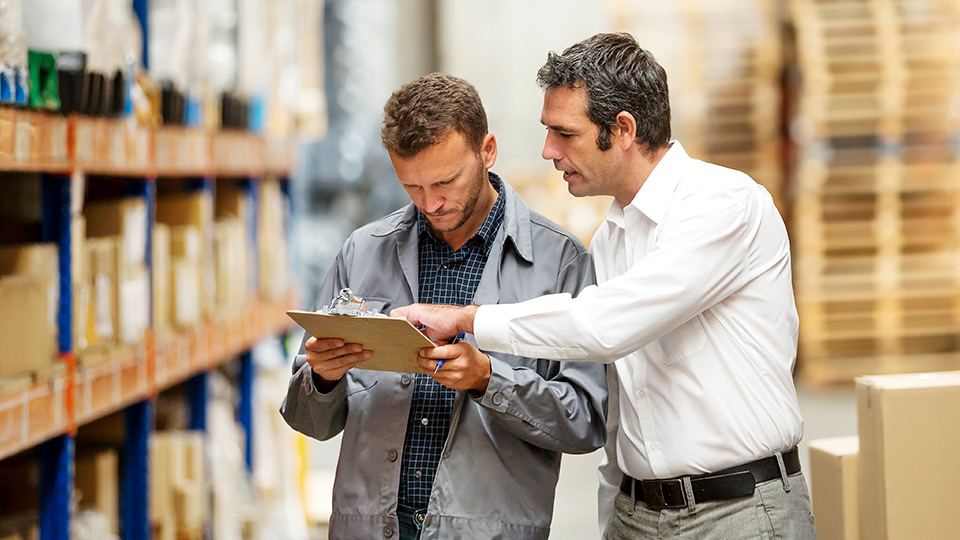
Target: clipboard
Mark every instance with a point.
(395, 342)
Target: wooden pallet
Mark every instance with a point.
(842, 370)
(723, 62)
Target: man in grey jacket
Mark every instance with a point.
(470, 449)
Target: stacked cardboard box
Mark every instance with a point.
(186, 304)
(833, 478)
(126, 220)
(233, 238)
(160, 262)
(909, 434)
(193, 209)
(272, 240)
(96, 479)
(29, 299)
(898, 478)
(176, 485)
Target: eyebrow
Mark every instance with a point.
(556, 127)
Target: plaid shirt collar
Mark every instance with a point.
(487, 232)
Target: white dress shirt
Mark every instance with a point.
(695, 309)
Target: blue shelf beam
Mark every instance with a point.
(245, 407)
(198, 395)
(142, 9)
(134, 472)
(55, 228)
(56, 487)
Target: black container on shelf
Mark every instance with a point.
(172, 104)
(234, 111)
(70, 81)
(119, 98)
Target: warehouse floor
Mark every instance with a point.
(827, 412)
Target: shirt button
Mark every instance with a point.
(419, 517)
(497, 398)
(388, 531)
(424, 421)
(418, 474)
(491, 344)
(405, 380)
(392, 455)
(653, 446)
(642, 394)
(631, 236)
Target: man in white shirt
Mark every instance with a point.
(694, 308)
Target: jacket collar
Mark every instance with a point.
(516, 224)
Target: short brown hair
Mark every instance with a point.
(618, 75)
(421, 114)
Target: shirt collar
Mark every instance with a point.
(487, 232)
(654, 195)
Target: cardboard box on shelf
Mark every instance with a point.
(96, 478)
(272, 241)
(833, 478)
(26, 337)
(133, 307)
(231, 264)
(161, 279)
(29, 300)
(196, 209)
(101, 258)
(908, 468)
(176, 483)
(185, 276)
(126, 218)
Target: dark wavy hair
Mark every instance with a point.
(618, 76)
(423, 112)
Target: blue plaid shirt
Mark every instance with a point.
(445, 277)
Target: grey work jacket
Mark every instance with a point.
(498, 471)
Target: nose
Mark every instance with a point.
(550, 150)
(432, 202)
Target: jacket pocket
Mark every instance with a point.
(361, 380)
(375, 303)
(686, 340)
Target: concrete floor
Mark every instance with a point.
(829, 412)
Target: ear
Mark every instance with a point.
(488, 150)
(624, 130)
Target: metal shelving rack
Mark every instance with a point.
(47, 413)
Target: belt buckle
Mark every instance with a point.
(654, 496)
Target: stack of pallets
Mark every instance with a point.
(876, 186)
(723, 61)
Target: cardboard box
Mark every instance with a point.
(125, 218)
(909, 435)
(96, 477)
(102, 281)
(834, 482)
(26, 344)
(272, 234)
(161, 278)
(185, 276)
(133, 307)
(196, 209)
(231, 264)
(29, 301)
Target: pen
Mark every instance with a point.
(455, 339)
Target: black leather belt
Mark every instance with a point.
(738, 481)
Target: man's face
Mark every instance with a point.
(572, 143)
(445, 182)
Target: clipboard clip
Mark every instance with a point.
(347, 303)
